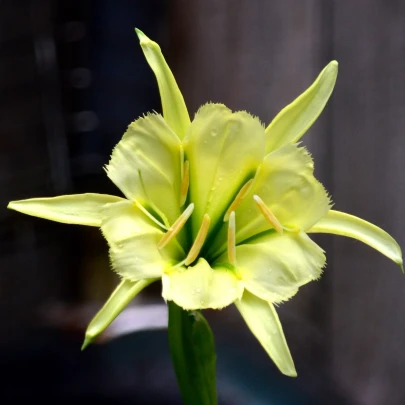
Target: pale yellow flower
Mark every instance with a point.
(219, 208)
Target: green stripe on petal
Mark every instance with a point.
(339, 223)
(119, 299)
(146, 165)
(78, 209)
(262, 319)
(294, 120)
(224, 150)
(173, 105)
(274, 266)
(201, 287)
(133, 239)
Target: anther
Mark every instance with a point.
(176, 227)
(185, 182)
(238, 199)
(232, 239)
(270, 217)
(199, 240)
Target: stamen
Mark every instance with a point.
(149, 215)
(185, 182)
(270, 217)
(232, 239)
(238, 199)
(199, 240)
(176, 227)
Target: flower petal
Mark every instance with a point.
(79, 209)
(173, 105)
(274, 266)
(224, 150)
(200, 286)
(294, 120)
(263, 321)
(119, 299)
(133, 239)
(123, 220)
(286, 185)
(339, 223)
(146, 165)
(138, 258)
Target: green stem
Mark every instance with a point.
(193, 353)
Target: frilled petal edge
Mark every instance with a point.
(224, 150)
(133, 239)
(146, 166)
(274, 266)
(201, 287)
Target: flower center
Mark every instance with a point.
(229, 217)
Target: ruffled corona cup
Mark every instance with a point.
(220, 209)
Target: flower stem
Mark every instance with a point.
(193, 354)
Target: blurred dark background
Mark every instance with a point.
(72, 77)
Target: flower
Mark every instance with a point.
(219, 209)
